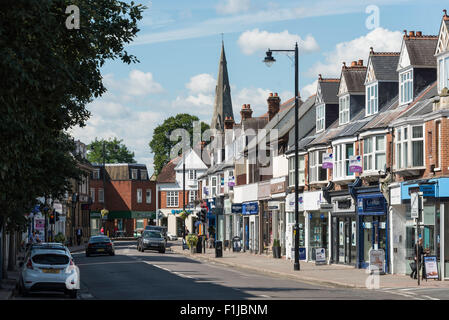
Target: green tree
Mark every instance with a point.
(114, 151)
(49, 74)
(161, 145)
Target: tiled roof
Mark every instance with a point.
(329, 90)
(120, 171)
(421, 50)
(385, 65)
(168, 173)
(422, 104)
(354, 78)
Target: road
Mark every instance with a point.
(149, 275)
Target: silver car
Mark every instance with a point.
(151, 240)
(49, 270)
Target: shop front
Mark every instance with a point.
(317, 213)
(237, 223)
(373, 225)
(344, 228)
(433, 223)
(290, 224)
(276, 206)
(228, 234)
(250, 212)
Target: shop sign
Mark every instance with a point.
(290, 202)
(371, 205)
(326, 207)
(273, 205)
(205, 191)
(395, 196)
(278, 187)
(250, 208)
(39, 224)
(328, 161)
(236, 208)
(376, 260)
(355, 164)
(320, 256)
(430, 263)
(428, 190)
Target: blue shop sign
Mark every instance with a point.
(371, 204)
(250, 208)
(236, 208)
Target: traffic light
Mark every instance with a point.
(52, 217)
(203, 213)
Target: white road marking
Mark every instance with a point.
(147, 262)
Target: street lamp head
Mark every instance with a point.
(269, 60)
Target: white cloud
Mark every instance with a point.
(380, 39)
(141, 83)
(308, 90)
(201, 83)
(255, 40)
(233, 6)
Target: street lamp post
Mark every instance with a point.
(269, 60)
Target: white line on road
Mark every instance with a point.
(157, 266)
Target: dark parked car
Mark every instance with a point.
(100, 245)
(151, 239)
(160, 229)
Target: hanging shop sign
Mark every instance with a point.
(250, 208)
(355, 164)
(431, 265)
(328, 161)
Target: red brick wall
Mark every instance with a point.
(163, 203)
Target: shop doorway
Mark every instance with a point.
(347, 245)
(318, 233)
(373, 236)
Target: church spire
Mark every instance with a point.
(223, 103)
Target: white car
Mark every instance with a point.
(49, 270)
(171, 236)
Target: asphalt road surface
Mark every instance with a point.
(150, 275)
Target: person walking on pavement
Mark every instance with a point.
(418, 259)
(79, 234)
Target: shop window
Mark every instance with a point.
(139, 224)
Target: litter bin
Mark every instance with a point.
(199, 245)
(236, 244)
(218, 249)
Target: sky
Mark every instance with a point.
(179, 45)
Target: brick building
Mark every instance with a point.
(127, 193)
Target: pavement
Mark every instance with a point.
(334, 274)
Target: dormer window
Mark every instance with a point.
(134, 174)
(406, 87)
(372, 105)
(320, 116)
(143, 174)
(343, 110)
(443, 73)
(96, 174)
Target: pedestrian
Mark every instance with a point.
(79, 234)
(36, 238)
(417, 259)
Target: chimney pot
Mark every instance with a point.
(271, 94)
(411, 33)
(353, 63)
(275, 94)
(419, 33)
(360, 63)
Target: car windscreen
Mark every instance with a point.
(152, 234)
(50, 258)
(99, 239)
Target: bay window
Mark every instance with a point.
(342, 152)
(291, 171)
(343, 110)
(316, 171)
(406, 87)
(372, 105)
(320, 116)
(409, 147)
(374, 158)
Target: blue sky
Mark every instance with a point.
(179, 48)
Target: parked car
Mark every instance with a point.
(100, 245)
(138, 232)
(172, 236)
(151, 239)
(49, 270)
(161, 229)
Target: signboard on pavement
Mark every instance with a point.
(320, 256)
(431, 266)
(376, 260)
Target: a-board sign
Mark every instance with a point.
(430, 263)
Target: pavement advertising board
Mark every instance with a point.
(431, 266)
(376, 260)
(320, 256)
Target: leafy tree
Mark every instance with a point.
(161, 145)
(114, 151)
(49, 73)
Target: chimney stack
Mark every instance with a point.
(246, 112)
(419, 33)
(228, 123)
(274, 103)
(353, 63)
(411, 34)
(360, 63)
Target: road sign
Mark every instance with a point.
(414, 202)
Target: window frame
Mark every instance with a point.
(320, 118)
(443, 72)
(214, 188)
(101, 195)
(146, 196)
(139, 195)
(344, 103)
(371, 96)
(96, 174)
(133, 174)
(193, 192)
(406, 87)
(192, 174)
(143, 174)
(341, 161)
(372, 154)
(404, 158)
(92, 194)
(301, 171)
(438, 145)
(315, 163)
(172, 199)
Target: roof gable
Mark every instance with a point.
(319, 95)
(404, 58)
(370, 75)
(193, 161)
(443, 37)
(343, 87)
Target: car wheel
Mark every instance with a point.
(73, 293)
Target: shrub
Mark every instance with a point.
(192, 240)
(60, 238)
